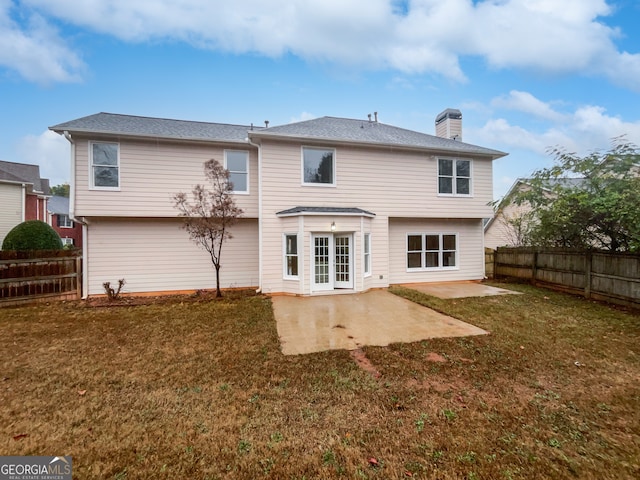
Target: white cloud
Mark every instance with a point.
(416, 37)
(501, 132)
(35, 51)
(582, 130)
(50, 151)
(527, 103)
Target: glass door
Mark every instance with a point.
(322, 264)
(342, 258)
(332, 262)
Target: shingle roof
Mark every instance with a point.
(370, 132)
(330, 129)
(58, 205)
(326, 210)
(24, 172)
(128, 125)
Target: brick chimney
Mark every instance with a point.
(449, 124)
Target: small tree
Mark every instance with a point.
(61, 190)
(587, 202)
(209, 216)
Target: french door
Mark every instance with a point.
(332, 261)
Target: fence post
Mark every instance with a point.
(534, 266)
(587, 274)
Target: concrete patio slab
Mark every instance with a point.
(334, 322)
(459, 289)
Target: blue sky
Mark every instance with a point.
(526, 74)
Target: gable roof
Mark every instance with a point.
(331, 129)
(129, 125)
(370, 132)
(24, 173)
(58, 205)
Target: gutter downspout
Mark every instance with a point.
(259, 147)
(23, 214)
(72, 217)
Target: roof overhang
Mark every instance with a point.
(146, 137)
(253, 136)
(325, 211)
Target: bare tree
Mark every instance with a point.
(209, 216)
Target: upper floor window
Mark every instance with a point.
(237, 162)
(454, 177)
(318, 166)
(105, 165)
(64, 221)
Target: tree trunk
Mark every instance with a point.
(218, 291)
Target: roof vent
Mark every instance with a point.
(449, 124)
(266, 123)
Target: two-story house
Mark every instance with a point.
(23, 195)
(331, 205)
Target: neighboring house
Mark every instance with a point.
(23, 195)
(58, 217)
(331, 205)
(509, 226)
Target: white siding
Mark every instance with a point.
(470, 250)
(150, 174)
(156, 255)
(10, 208)
(385, 182)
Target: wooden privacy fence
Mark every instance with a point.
(489, 262)
(609, 276)
(33, 275)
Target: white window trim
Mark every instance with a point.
(312, 184)
(453, 186)
(239, 192)
(67, 241)
(92, 185)
(70, 225)
(285, 274)
(424, 250)
(366, 273)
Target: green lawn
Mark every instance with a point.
(196, 388)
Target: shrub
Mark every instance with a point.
(32, 235)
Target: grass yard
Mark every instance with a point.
(188, 388)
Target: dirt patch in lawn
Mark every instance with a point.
(364, 363)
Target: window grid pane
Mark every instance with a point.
(291, 255)
(454, 177)
(317, 165)
(367, 253)
(439, 251)
(104, 163)
(321, 255)
(342, 259)
(238, 181)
